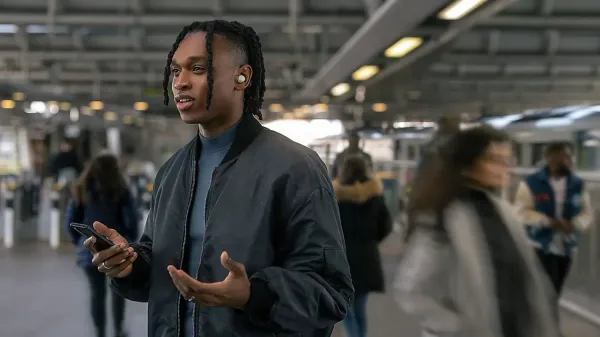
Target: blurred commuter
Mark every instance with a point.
(447, 127)
(352, 149)
(66, 165)
(100, 194)
(555, 207)
(244, 224)
(366, 222)
(467, 269)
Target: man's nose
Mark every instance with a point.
(181, 82)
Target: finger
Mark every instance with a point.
(119, 258)
(177, 281)
(109, 269)
(234, 267)
(89, 244)
(116, 270)
(104, 255)
(104, 230)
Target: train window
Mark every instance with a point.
(537, 154)
(517, 150)
(412, 154)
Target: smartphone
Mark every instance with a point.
(102, 242)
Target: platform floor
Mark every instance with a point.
(44, 294)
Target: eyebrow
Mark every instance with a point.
(192, 59)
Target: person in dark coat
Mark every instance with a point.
(366, 222)
(243, 237)
(101, 194)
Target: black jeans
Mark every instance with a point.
(98, 287)
(557, 267)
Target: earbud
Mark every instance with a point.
(241, 79)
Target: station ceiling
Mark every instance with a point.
(506, 55)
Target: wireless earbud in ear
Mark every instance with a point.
(241, 79)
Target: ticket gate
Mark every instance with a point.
(59, 199)
(20, 210)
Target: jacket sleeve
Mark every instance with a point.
(526, 210)
(312, 288)
(584, 219)
(136, 286)
(422, 264)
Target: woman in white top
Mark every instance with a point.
(467, 270)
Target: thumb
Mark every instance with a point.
(102, 229)
(234, 267)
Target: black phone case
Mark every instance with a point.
(102, 242)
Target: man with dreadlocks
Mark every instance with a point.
(244, 224)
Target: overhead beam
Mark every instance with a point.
(515, 59)
(174, 20)
(371, 6)
(392, 20)
(454, 30)
(542, 22)
(137, 6)
(51, 12)
(272, 58)
(22, 39)
(98, 76)
(512, 80)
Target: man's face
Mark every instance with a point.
(190, 80)
(560, 161)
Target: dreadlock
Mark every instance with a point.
(245, 40)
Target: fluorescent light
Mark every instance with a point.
(96, 105)
(320, 108)
(404, 46)
(340, 89)
(65, 106)
(458, 9)
(140, 106)
(364, 73)
(110, 116)
(8, 29)
(7, 104)
(276, 107)
(38, 107)
(18, 96)
(379, 107)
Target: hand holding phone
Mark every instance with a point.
(117, 259)
(102, 242)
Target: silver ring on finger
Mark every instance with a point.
(107, 267)
(191, 299)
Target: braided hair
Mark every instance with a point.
(244, 41)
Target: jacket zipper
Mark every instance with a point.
(210, 188)
(187, 214)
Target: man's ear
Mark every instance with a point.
(243, 77)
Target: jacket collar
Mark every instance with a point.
(544, 174)
(246, 131)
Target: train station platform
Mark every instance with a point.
(44, 294)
